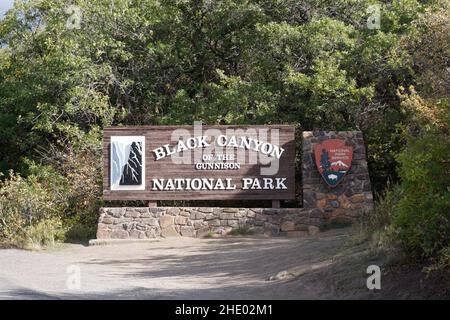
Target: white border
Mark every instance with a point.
(127, 138)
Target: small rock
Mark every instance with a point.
(135, 234)
(199, 216)
(334, 204)
(227, 215)
(181, 220)
(321, 203)
(233, 223)
(316, 213)
(185, 213)
(320, 196)
(251, 214)
(198, 224)
(203, 232)
(215, 223)
(119, 234)
(313, 230)
(288, 226)
(146, 215)
(357, 198)
(141, 227)
(279, 276)
(169, 232)
(223, 230)
(152, 233)
(103, 234)
(187, 231)
(132, 214)
(115, 212)
(261, 217)
(307, 134)
(107, 220)
(344, 202)
(173, 211)
(166, 221)
(150, 221)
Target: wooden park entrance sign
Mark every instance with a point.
(230, 163)
(199, 162)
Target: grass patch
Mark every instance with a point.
(46, 233)
(209, 235)
(337, 223)
(79, 233)
(241, 231)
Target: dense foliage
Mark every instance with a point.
(312, 63)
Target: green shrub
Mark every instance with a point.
(381, 217)
(441, 263)
(209, 235)
(24, 204)
(421, 218)
(241, 231)
(53, 202)
(415, 214)
(46, 207)
(80, 232)
(337, 223)
(377, 224)
(82, 171)
(43, 234)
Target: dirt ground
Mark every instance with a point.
(326, 266)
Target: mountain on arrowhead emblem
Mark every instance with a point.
(333, 160)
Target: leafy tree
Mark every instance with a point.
(324, 160)
(311, 63)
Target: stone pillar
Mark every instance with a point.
(353, 195)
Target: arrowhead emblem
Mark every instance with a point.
(333, 160)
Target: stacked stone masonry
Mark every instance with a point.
(145, 223)
(349, 199)
(321, 204)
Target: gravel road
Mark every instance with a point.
(188, 268)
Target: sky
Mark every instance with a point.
(4, 6)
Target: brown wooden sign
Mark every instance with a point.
(199, 162)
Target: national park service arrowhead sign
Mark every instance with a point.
(333, 160)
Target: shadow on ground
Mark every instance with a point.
(328, 266)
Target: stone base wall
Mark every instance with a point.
(142, 223)
(353, 195)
